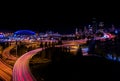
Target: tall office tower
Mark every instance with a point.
(76, 31)
(101, 25)
(80, 31)
(112, 28)
(94, 25)
(85, 28)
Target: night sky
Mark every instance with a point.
(63, 20)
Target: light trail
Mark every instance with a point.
(5, 72)
(21, 70)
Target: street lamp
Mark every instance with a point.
(16, 47)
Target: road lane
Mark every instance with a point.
(21, 70)
(6, 53)
(4, 76)
(5, 71)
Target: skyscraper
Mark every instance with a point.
(101, 26)
(76, 31)
(94, 24)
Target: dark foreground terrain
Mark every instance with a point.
(77, 68)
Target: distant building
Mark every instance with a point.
(101, 25)
(94, 25)
(76, 31)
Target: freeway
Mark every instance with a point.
(75, 42)
(6, 53)
(21, 70)
(5, 71)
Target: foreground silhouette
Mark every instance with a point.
(68, 67)
(83, 68)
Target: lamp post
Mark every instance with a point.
(16, 47)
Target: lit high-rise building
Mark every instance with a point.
(76, 31)
(94, 24)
